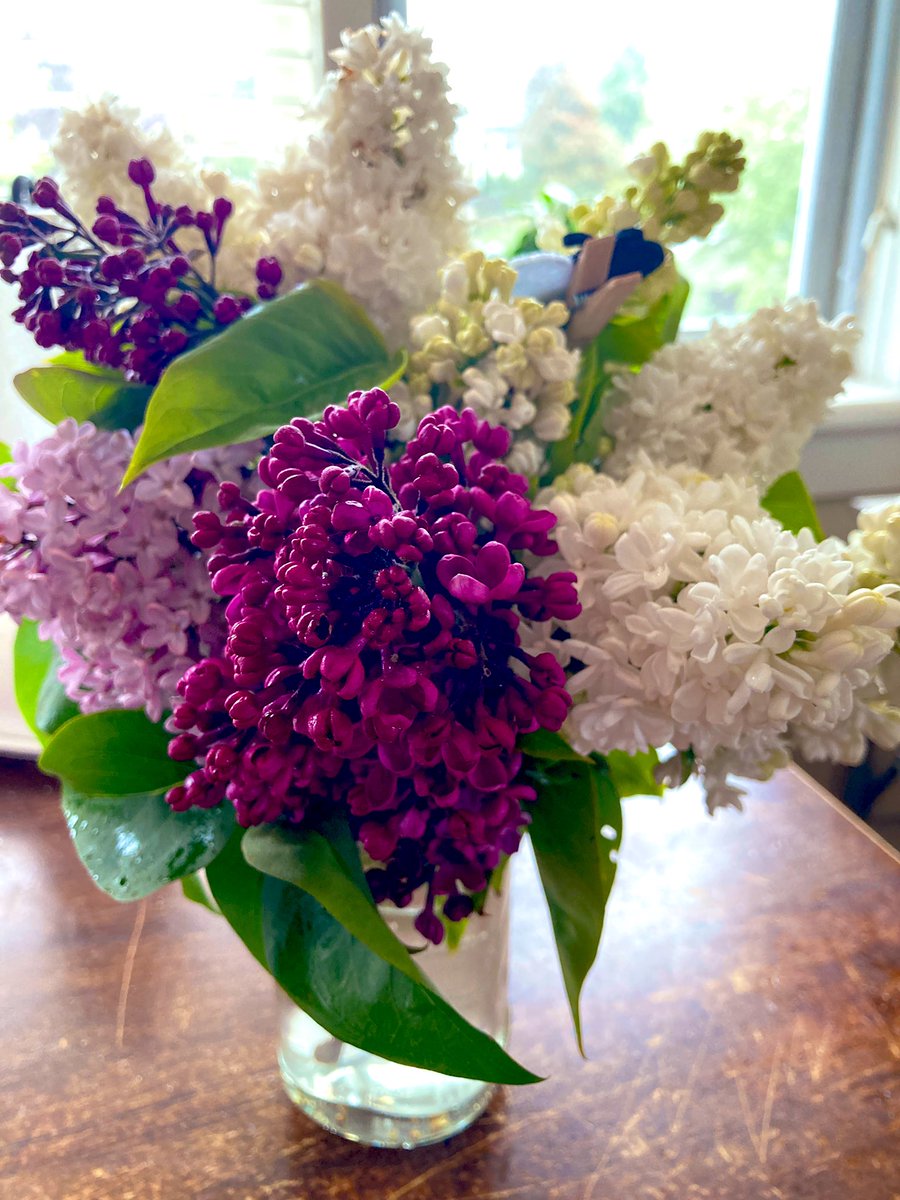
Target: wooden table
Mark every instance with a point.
(743, 1031)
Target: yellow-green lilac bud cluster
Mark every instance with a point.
(875, 545)
(874, 549)
(671, 202)
(506, 358)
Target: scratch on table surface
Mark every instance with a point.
(464, 1152)
(747, 1114)
(549, 1189)
(688, 1089)
(765, 1132)
(760, 1141)
(815, 1061)
(616, 1139)
(127, 971)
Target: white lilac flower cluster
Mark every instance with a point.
(874, 547)
(740, 401)
(111, 576)
(373, 201)
(875, 544)
(707, 626)
(505, 358)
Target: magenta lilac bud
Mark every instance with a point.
(89, 290)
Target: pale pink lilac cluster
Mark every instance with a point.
(112, 577)
(373, 666)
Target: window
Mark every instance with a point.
(551, 100)
(560, 99)
(233, 90)
(562, 105)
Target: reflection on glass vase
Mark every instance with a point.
(368, 1099)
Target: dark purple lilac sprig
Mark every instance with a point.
(124, 292)
(373, 665)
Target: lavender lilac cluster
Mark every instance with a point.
(111, 576)
(373, 665)
(124, 292)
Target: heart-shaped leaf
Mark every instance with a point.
(551, 747)
(788, 500)
(195, 889)
(6, 481)
(576, 825)
(288, 358)
(312, 862)
(133, 845)
(626, 340)
(633, 774)
(237, 888)
(115, 753)
(361, 999)
(40, 696)
(353, 993)
(70, 388)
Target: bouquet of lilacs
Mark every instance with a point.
(355, 555)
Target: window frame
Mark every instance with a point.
(847, 154)
(335, 16)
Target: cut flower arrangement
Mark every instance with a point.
(355, 556)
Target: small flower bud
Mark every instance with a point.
(188, 307)
(49, 272)
(226, 309)
(141, 172)
(108, 229)
(46, 194)
(268, 271)
(173, 341)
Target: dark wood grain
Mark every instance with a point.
(743, 1031)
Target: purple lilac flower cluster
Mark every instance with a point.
(124, 292)
(112, 576)
(373, 665)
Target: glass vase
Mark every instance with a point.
(368, 1099)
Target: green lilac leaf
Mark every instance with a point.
(633, 774)
(84, 392)
(548, 746)
(134, 845)
(346, 921)
(7, 481)
(577, 804)
(788, 501)
(364, 1001)
(357, 996)
(236, 888)
(40, 696)
(195, 890)
(312, 862)
(628, 341)
(288, 358)
(115, 753)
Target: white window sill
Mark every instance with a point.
(15, 736)
(856, 451)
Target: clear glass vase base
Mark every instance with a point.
(365, 1098)
(379, 1103)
